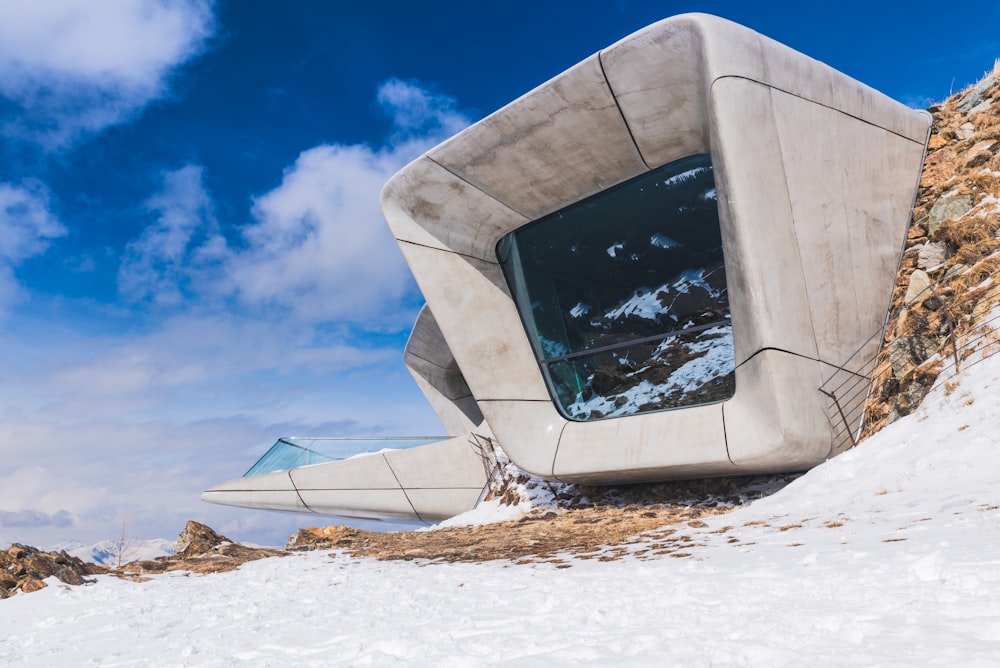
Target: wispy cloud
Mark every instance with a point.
(172, 251)
(317, 249)
(27, 226)
(73, 68)
(418, 113)
(60, 519)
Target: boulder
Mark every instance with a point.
(985, 145)
(909, 352)
(932, 254)
(965, 130)
(197, 539)
(982, 106)
(936, 141)
(975, 96)
(907, 401)
(24, 568)
(948, 206)
(919, 282)
(320, 538)
(29, 585)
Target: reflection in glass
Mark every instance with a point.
(293, 452)
(624, 295)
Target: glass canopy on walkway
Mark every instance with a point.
(295, 451)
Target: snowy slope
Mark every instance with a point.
(888, 555)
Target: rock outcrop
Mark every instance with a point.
(196, 539)
(200, 549)
(24, 568)
(945, 285)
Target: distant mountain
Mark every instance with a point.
(106, 552)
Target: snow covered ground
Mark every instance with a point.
(888, 555)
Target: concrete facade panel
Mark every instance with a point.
(528, 432)
(451, 463)
(274, 481)
(453, 215)
(458, 415)
(432, 505)
(255, 498)
(377, 504)
(432, 365)
(655, 446)
(851, 209)
(474, 311)
(777, 420)
(559, 143)
(766, 277)
(663, 106)
(370, 471)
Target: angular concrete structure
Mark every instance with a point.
(422, 478)
(646, 267)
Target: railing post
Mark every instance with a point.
(951, 326)
(847, 424)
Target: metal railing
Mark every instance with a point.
(888, 376)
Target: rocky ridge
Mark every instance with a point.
(199, 549)
(24, 569)
(945, 291)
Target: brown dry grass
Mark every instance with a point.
(962, 288)
(644, 520)
(542, 536)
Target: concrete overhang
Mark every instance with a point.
(815, 173)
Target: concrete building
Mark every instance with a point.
(643, 269)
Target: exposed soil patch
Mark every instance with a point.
(608, 528)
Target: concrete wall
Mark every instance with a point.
(433, 367)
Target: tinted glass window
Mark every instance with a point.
(624, 295)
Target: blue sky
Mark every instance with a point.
(192, 259)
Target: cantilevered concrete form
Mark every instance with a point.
(405, 480)
(646, 267)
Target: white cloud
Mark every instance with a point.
(319, 245)
(74, 68)
(26, 227)
(317, 250)
(183, 242)
(419, 113)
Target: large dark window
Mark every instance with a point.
(624, 295)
